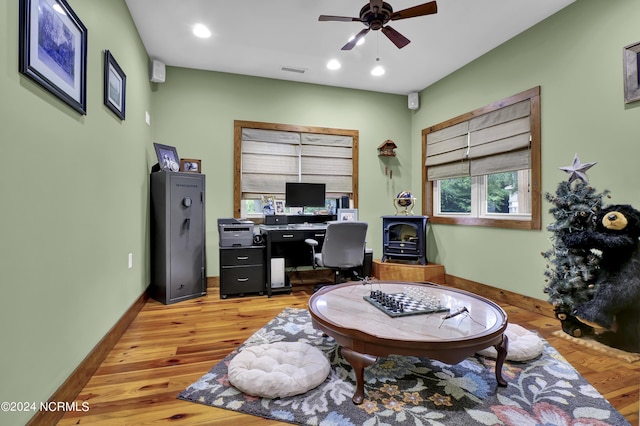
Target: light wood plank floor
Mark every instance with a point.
(167, 348)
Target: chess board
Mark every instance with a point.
(401, 304)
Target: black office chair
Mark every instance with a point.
(343, 248)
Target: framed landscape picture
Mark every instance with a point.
(630, 65)
(53, 50)
(115, 84)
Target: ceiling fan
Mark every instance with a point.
(375, 15)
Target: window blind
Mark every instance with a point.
(270, 158)
(495, 142)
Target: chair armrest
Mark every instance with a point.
(311, 242)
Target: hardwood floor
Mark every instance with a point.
(167, 348)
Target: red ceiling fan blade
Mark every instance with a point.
(350, 45)
(396, 38)
(412, 12)
(337, 18)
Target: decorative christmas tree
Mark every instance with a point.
(570, 272)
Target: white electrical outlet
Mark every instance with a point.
(147, 118)
(130, 260)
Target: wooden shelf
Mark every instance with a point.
(397, 271)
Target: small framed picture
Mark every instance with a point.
(280, 207)
(631, 63)
(167, 157)
(115, 85)
(53, 50)
(347, 215)
(190, 165)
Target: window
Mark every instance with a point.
(483, 167)
(269, 155)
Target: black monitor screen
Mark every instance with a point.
(304, 194)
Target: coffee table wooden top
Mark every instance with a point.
(341, 312)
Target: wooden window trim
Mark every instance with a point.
(238, 125)
(536, 170)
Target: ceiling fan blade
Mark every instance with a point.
(396, 38)
(351, 44)
(412, 12)
(337, 18)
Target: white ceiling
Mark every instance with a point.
(260, 37)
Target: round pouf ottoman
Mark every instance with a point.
(523, 344)
(277, 370)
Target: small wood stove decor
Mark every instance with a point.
(403, 238)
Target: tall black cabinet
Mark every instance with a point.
(177, 236)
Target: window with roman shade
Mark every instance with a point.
(269, 155)
(501, 137)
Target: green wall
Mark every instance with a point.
(74, 189)
(576, 58)
(73, 193)
(195, 110)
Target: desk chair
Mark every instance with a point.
(343, 248)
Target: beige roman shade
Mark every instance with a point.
(270, 158)
(498, 141)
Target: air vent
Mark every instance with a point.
(294, 69)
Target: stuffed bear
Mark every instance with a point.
(616, 301)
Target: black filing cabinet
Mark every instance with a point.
(242, 270)
(177, 236)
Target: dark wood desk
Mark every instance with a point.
(287, 241)
(365, 333)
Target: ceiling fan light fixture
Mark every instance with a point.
(334, 64)
(201, 30)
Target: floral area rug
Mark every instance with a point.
(401, 390)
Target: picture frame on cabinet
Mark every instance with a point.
(630, 64)
(167, 157)
(115, 86)
(53, 50)
(190, 165)
(348, 215)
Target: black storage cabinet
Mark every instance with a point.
(242, 271)
(177, 236)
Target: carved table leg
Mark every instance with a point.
(502, 349)
(358, 362)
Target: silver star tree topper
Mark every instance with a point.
(577, 170)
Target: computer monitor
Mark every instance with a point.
(299, 194)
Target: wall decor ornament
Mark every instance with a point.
(630, 64)
(53, 50)
(115, 85)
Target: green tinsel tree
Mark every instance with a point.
(570, 272)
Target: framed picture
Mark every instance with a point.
(280, 207)
(190, 166)
(347, 215)
(115, 85)
(53, 50)
(631, 63)
(167, 157)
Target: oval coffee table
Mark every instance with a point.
(365, 332)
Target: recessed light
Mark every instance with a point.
(200, 30)
(333, 64)
(377, 71)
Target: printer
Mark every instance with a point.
(235, 232)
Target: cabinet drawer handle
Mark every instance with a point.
(242, 257)
(287, 235)
(319, 235)
(242, 280)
